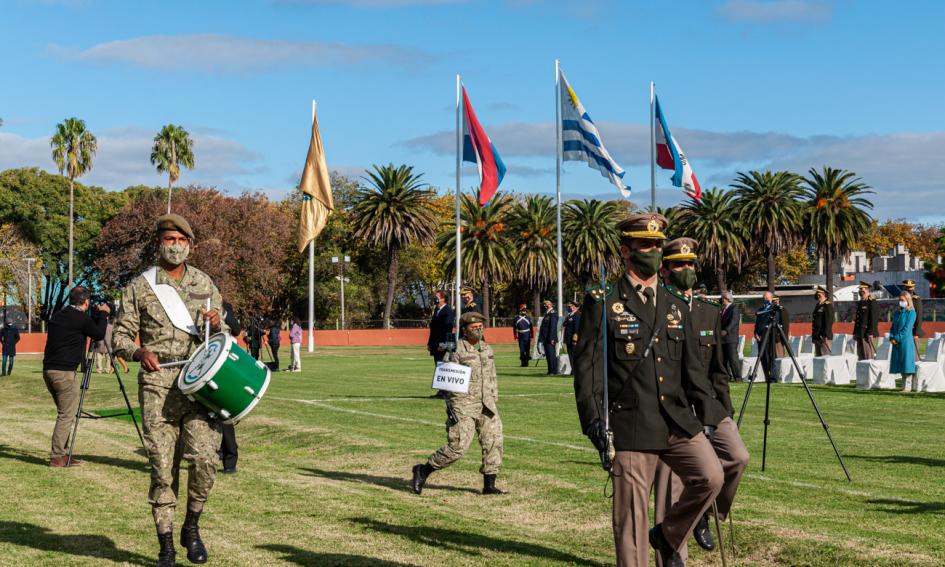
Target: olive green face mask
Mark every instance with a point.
(648, 263)
(684, 279)
(174, 254)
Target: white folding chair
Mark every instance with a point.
(874, 374)
(930, 371)
(784, 367)
(749, 361)
(834, 368)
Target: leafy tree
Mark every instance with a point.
(713, 221)
(533, 222)
(394, 212)
(589, 229)
(73, 148)
(769, 209)
(836, 214)
(15, 274)
(173, 147)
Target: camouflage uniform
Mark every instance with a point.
(166, 414)
(475, 411)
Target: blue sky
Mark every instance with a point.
(744, 84)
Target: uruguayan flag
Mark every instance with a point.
(581, 141)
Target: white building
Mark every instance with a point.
(897, 265)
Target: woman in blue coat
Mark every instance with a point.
(903, 347)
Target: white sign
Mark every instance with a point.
(452, 377)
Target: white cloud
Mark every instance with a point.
(123, 159)
(230, 54)
(776, 11)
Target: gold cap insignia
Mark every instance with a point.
(684, 249)
(653, 225)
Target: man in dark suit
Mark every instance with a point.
(522, 331)
(764, 317)
(548, 336)
(821, 329)
(572, 322)
(441, 327)
(731, 320)
(654, 375)
(865, 323)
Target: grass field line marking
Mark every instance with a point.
(801, 484)
(430, 423)
(408, 398)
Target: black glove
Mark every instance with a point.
(709, 431)
(597, 433)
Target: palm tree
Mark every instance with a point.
(487, 250)
(836, 214)
(394, 212)
(533, 232)
(589, 228)
(73, 148)
(713, 221)
(173, 147)
(769, 209)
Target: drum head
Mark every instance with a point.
(205, 363)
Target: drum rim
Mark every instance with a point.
(218, 363)
(236, 418)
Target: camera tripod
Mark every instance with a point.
(766, 353)
(86, 380)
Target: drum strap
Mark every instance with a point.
(173, 305)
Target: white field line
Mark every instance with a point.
(327, 406)
(404, 398)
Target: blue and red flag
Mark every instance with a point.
(479, 149)
(670, 156)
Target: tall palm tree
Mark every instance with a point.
(836, 214)
(394, 211)
(769, 209)
(488, 253)
(713, 221)
(73, 148)
(589, 228)
(533, 233)
(173, 147)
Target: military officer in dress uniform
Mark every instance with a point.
(475, 412)
(572, 322)
(469, 301)
(522, 330)
(865, 323)
(655, 374)
(679, 274)
(917, 332)
(822, 323)
(167, 327)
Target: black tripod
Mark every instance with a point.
(766, 353)
(86, 379)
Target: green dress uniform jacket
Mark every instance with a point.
(867, 318)
(822, 321)
(917, 328)
(705, 319)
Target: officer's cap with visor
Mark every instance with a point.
(646, 226)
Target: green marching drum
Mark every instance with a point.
(224, 378)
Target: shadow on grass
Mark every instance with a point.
(85, 545)
(293, 554)
(471, 543)
(901, 460)
(7, 452)
(395, 483)
(896, 506)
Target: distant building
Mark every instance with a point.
(882, 271)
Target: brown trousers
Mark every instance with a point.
(733, 456)
(822, 346)
(865, 349)
(65, 392)
(694, 460)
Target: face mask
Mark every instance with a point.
(903, 304)
(476, 335)
(175, 254)
(683, 279)
(647, 263)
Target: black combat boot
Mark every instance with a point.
(703, 535)
(662, 548)
(167, 557)
(190, 538)
(488, 485)
(420, 474)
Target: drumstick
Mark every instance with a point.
(206, 324)
(173, 364)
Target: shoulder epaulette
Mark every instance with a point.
(672, 291)
(599, 293)
(708, 301)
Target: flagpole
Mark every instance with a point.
(311, 278)
(652, 147)
(558, 183)
(459, 149)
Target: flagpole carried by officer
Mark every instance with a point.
(161, 306)
(655, 372)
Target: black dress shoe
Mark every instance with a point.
(420, 474)
(167, 557)
(703, 534)
(665, 551)
(190, 538)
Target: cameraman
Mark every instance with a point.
(66, 343)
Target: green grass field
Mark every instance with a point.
(325, 461)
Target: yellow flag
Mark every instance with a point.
(316, 190)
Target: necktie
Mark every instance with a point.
(650, 301)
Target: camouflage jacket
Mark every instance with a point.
(483, 385)
(141, 314)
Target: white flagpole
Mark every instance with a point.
(459, 149)
(652, 147)
(558, 144)
(311, 279)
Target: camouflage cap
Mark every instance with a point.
(174, 222)
(470, 318)
(643, 225)
(680, 249)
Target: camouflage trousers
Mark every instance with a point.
(459, 437)
(176, 428)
